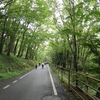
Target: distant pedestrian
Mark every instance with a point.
(42, 65)
(36, 66)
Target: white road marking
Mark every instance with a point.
(15, 81)
(25, 75)
(6, 86)
(22, 77)
(53, 85)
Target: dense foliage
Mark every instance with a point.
(65, 32)
(77, 42)
(21, 26)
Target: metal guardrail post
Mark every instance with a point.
(58, 71)
(86, 86)
(69, 79)
(62, 74)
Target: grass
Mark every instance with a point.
(11, 66)
(64, 79)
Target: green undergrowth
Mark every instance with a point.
(59, 75)
(11, 66)
(64, 78)
(64, 82)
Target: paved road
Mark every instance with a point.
(38, 84)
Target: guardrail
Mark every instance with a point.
(84, 87)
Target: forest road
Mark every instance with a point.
(38, 84)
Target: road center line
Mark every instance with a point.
(15, 81)
(6, 86)
(25, 75)
(53, 85)
(22, 77)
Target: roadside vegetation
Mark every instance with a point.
(23, 28)
(13, 66)
(65, 33)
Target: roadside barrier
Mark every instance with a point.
(84, 85)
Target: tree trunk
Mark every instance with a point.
(10, 45)
(26, 55)
(2, 36)
(15, 48)
(75, 54)
(23, 36)
(19, 52)
(72, 15)
(1, 43)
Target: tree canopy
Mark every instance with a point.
(65, 32)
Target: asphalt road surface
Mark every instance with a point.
(38, 84)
